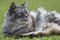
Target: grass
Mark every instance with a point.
(32, 5)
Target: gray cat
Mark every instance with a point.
(19, 21)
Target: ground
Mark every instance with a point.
(32, 5)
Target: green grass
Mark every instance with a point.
(32, 5)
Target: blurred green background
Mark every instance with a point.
(32, 5)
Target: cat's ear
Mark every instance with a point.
(12, 7)
(24, 4)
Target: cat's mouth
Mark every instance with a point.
(22, 19)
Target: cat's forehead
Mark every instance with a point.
(20, 9)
